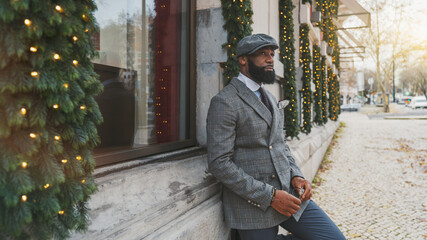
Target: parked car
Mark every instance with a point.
(405, 100)
(418, 102)
(350, 107)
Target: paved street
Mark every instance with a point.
(376, 185)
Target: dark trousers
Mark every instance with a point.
(314, 224)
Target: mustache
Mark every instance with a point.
(269, 65)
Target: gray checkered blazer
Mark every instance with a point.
(248, 154)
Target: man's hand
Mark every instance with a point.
(299, 184)
(285, 203)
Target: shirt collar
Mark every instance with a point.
(251, 84)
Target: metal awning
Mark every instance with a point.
(349, 45)
(348, 8)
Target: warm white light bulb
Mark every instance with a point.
(59, 8)
(24, 165)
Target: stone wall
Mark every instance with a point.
(172, 196)
(310, 149)
(209, 54)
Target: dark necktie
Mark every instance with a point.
(264, 99)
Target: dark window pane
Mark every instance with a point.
(143, 65)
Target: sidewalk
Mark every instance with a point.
(397, 111)
(376, 186)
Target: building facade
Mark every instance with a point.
(161, 62)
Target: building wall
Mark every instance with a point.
(172, 195)
(210, 36)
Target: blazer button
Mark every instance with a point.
(271, 147)
(273, 176)
(249, 201)
(258, 205)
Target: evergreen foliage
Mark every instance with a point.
(319, 5)
(317, 80)
(47, 117)
(238, 20)
(338, 94)
(324, 90)
(287, 57)
(305, 60)
(333, 95)
(329, 9)
(329, 30)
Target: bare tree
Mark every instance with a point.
(384, 43)
(415, 78)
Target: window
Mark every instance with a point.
(144, 64)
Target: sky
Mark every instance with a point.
(418, 28)
(413, 28)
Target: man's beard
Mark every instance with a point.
(260, 75)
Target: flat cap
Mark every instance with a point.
(252, 43)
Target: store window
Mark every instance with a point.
(144, 65)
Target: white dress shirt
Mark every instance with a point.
(251, 84)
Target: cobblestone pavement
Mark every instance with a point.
(376, 186)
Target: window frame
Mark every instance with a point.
(103, 159)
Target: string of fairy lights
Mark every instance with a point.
(287, 58)
(238, 19)
(317, 80)
(36, 75)
(329, 29)
(333, 88)
(324, 90)
(305, 61)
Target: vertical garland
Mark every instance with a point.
(324, 90)
(334, 36)
(329, 30)
(319, 5)
(47, 117)
(335, 98)
(337, 102)
(305, 61)
(317, 80)
(336, 55)
(287, 57)
(332, 89)
(238, 20)
(330, 9)
(336, 61)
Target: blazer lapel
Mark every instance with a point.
(275, 116)
(252, 100)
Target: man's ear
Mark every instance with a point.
(243, 60)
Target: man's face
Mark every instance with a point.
(260, 66)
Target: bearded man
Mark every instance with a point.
(247, 152)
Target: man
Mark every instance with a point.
(262, 185)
